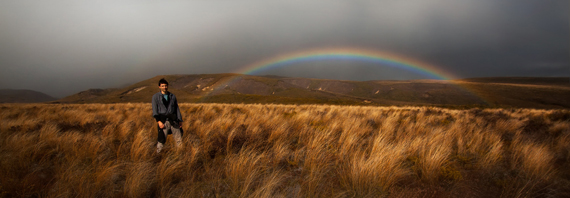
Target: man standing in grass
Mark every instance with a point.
(167, 114)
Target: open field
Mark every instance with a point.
(247, 150)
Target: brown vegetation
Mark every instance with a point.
(108, 150)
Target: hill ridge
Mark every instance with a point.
(530, 92)
(23, 96)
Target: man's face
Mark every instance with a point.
(163, 88)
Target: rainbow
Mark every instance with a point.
(352, 54)
(377, 57)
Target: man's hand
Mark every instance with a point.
(180, 124)
(160, 125)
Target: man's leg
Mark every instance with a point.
(161, 139)
(177, 133)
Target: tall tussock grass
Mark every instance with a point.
(248, 150)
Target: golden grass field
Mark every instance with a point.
(238, 150)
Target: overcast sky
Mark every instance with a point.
(63, 47)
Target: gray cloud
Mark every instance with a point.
(62, 47)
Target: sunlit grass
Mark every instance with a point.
(247, 150)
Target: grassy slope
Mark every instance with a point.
(557, 81)
(480, 92)
(529, 96)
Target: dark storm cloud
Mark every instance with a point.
(62, 47)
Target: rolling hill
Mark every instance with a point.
(236, 88)
(23, 96)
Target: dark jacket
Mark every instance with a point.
(163, 112)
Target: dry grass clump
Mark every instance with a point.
(246, 150)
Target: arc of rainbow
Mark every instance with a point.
(345, 53)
